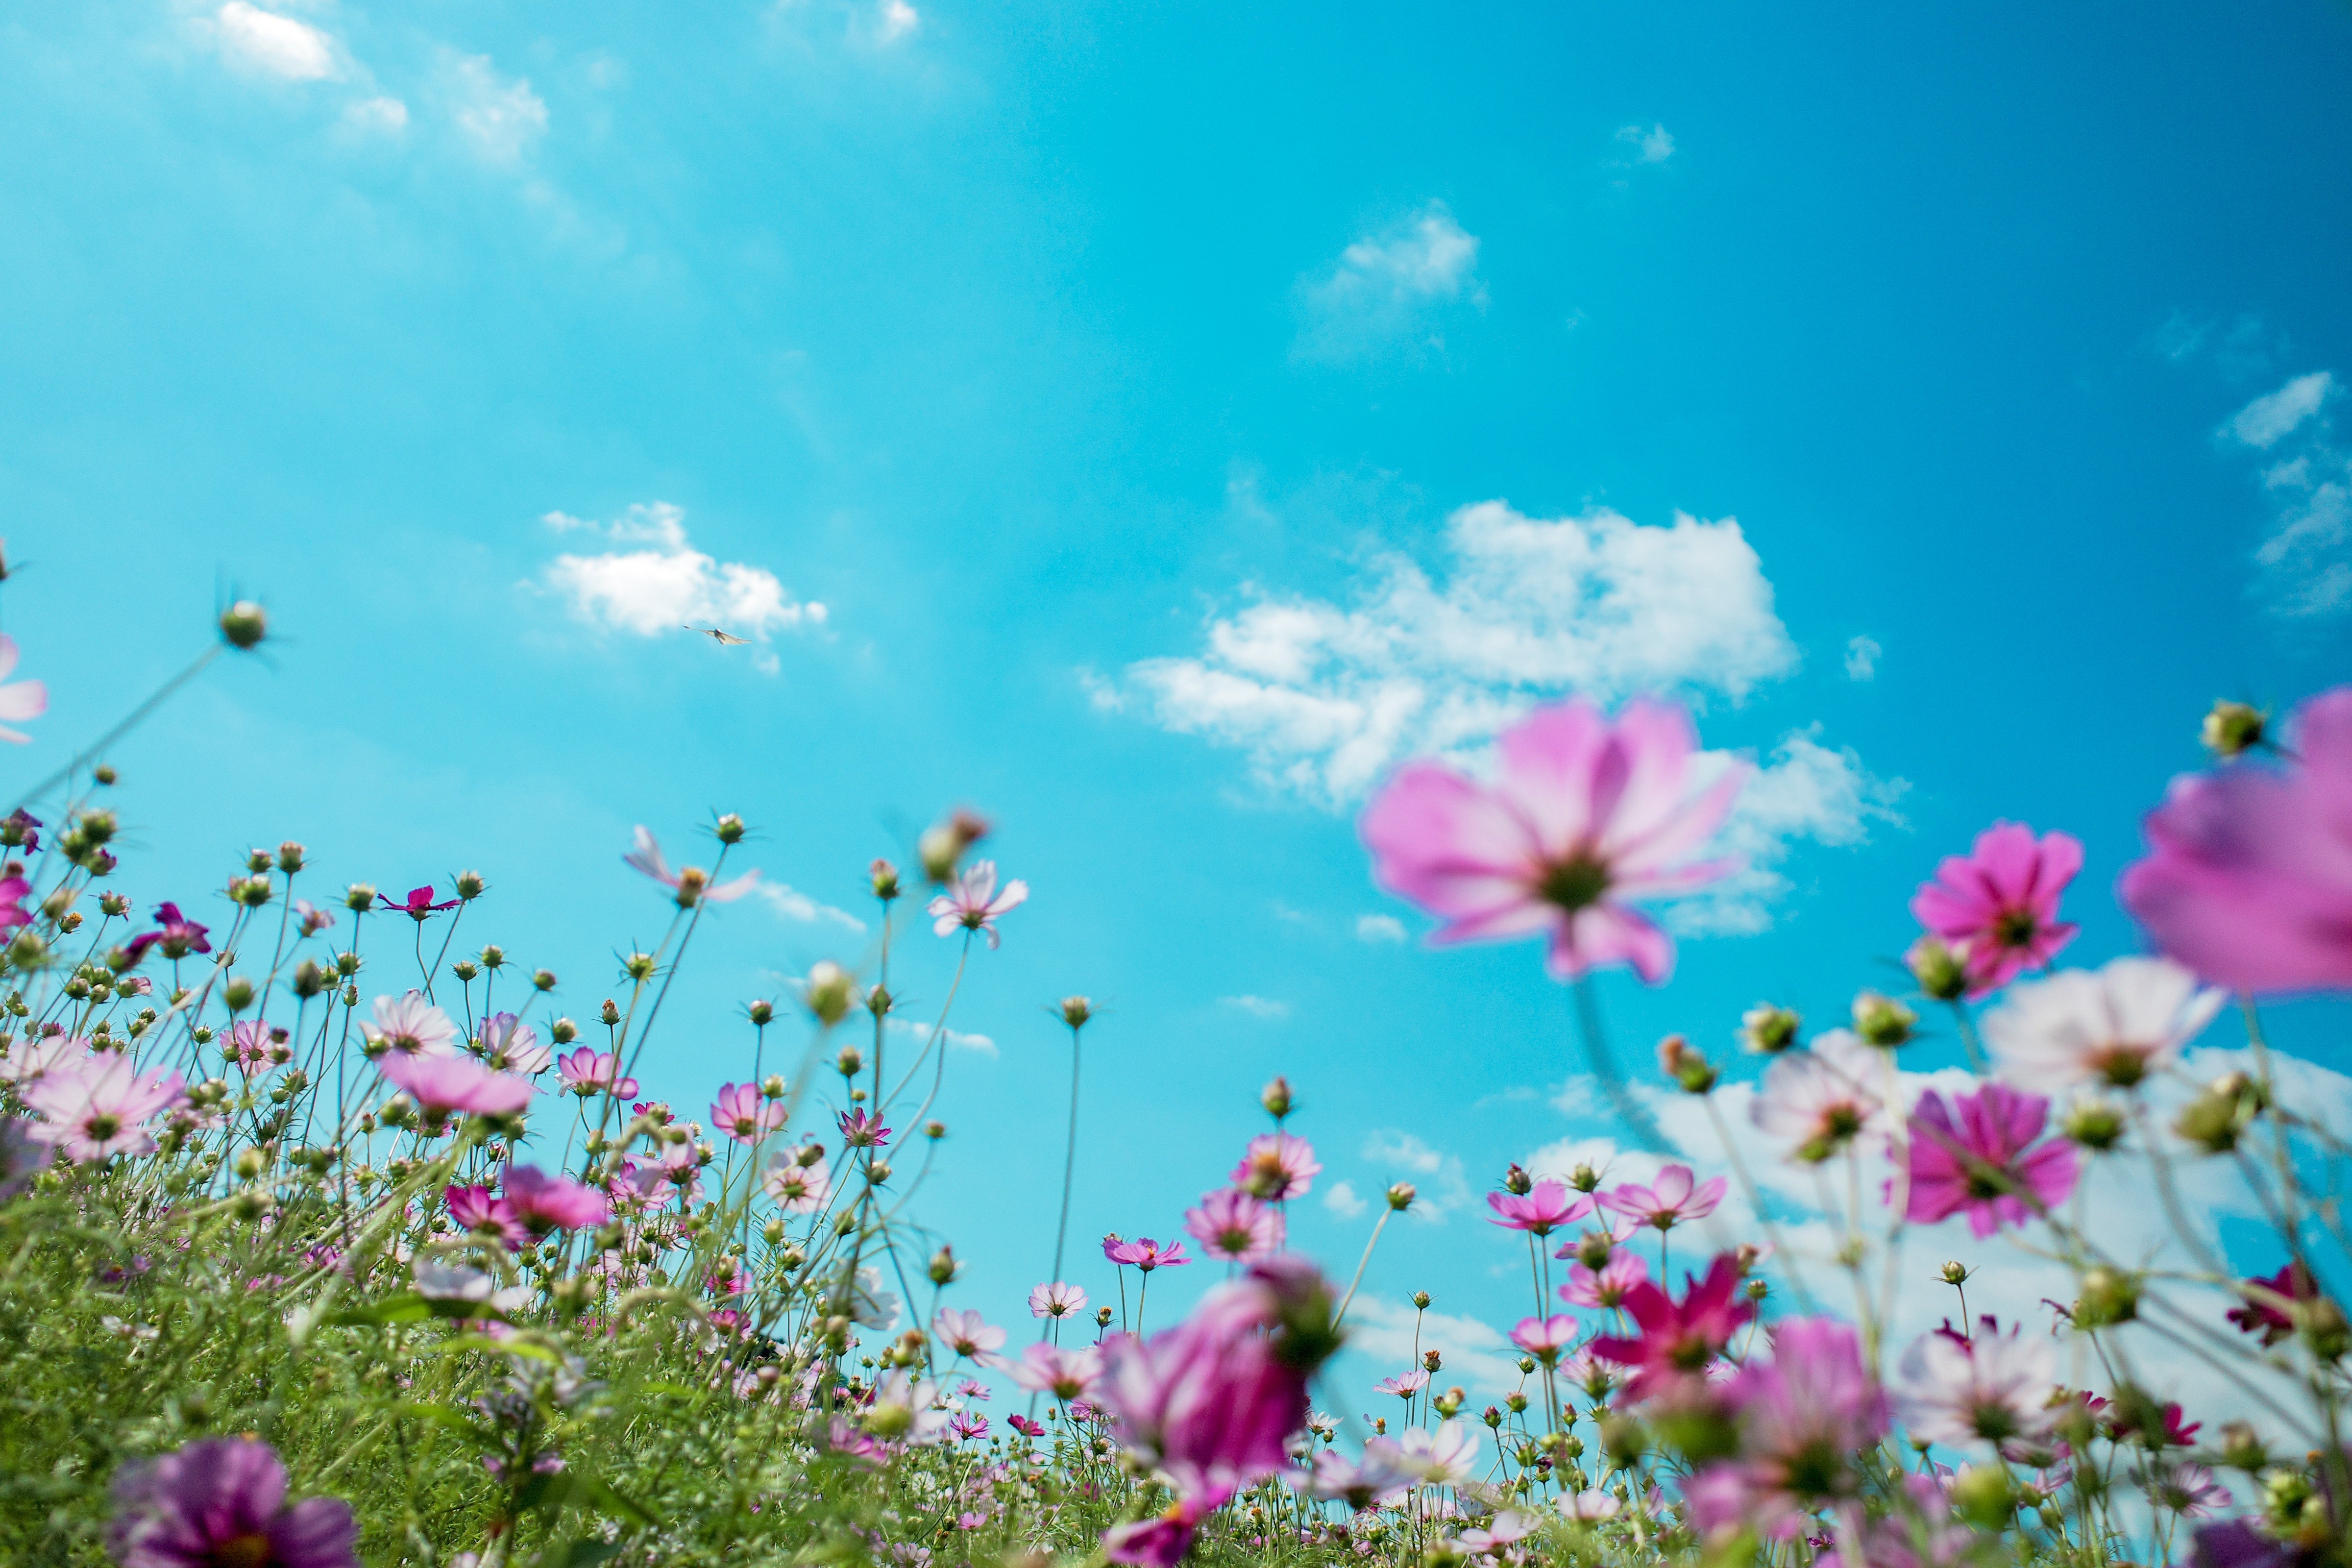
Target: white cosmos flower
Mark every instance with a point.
(2110, 1026)
(1821, 1100)
(1994, 1387)
(412, 1026)
(1446, 1458)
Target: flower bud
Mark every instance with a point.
(639, 966)
(470, 886)
(2109, 1296)
(2242, 1447)
(944, 1266)
(237, 994)
(2232, 729)
(878, 1172)
(1939, 972)
(850, 1062)
(828, 992)
(1984, 1495)
(883, 877)
(943, 844)
(2324, 1328)
(1769, 1030)
(878, 1001)
(761, 1013)
(244, 624)
(1076, 1010)
(542, 980)
(1431, 1361)
(1955, 1273)
(563, 1031)
(1102, 1317)
(1686, 1065)
(251, 1162)
(935, 1130)
(1421, 1299)
(1594, 1247)
(610, 1014)
(359, 896)
(308, 980)
(1276, 1098)
(1517, 1182)
(289, 856)
(2219, 1115)
(1882, 1020)
(464, 970)
(1400, 1196)
(1584, 1178)
(114, 904)
(257, 860)
(729, 828)
(2094, 1125)
(772, 1087)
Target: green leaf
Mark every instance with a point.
(414, 1309)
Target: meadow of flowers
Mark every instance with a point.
(326, 1236)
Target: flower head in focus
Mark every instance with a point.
(587, 1072)
(1541, 1210)
(419, 905)
(1145, 1253)
(1233, 1225)
(745, 1115)
(1997, 907)
(511, 1044)
(475, 1211)
(1056, 1301)
(1978, 1154)
(409, 1026)
(1279, 1166)
(1668, 1202)
(860, 1131)
(1679, 1339)
(969, 1335)
(972, 903)
(1588, 817)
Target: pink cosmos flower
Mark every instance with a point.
(1145, 1253)
(474, 1210)
(99, 1106)
(1817, 1101)
(587, 1072)
(419, 905)
(176, 933)
(1546, 1339)
(1277, 1168)
(247, 1045)
(1056, 1301)
(1540, 1211)
(2110, 1025)
(222, 1500)
(511, 1044)
(14, 891)
(1678, 1338)
(2248, 880)
(972, 903)
(859, 1131)
(442, 1084)
(744, 1114)
(1802, 1417)
(1381, 1477)
(969, 1335)
(1998, 906)
(1975, 1155)
(32, 1058)
(19, 699)
(410, 1026)
(1990, 1386)
(544, 1202)
(1066, 1373)
(1671, 1201)
(797, 1188)
(1160, 1541)
(1446, 1458)
(1587, 817)
(1590, 1373)
(312, 918)
(2189, 1488)
(2265, 1308)
(1608, 1286)
(1404, 1384)
(690, 885)
(1233, 1225)
(967, 1426)
(1502, 1531)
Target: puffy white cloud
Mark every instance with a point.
(1654, 144)
(1803, 793)
(1862, 657)
(896, 20)
(798, 906)
(2274, 416)
(1263, 1007)
(666, 583)
(1476, 1354)
(280, 46)
(1341, 1199)
(1379, 928)
(1386, 287)
(1437, 1177)
(502, 118)
(919, 1032)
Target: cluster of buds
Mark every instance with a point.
(1687, 1066)
(943, 844)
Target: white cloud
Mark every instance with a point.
(380, 116)
(277, 45)
(1438, 1178)
(2305, 562)
(1388, 287)
(1379, 928)
(896, 20)
(1391, 1333)
(799, 906)
(1326, 697)
(1260, 1006)
(669, 584)
(919, 1032)
(1653, 145)
(501, 117)
(2274, 416)
(1805, 792)
(1862, 657)
(1340, 1198)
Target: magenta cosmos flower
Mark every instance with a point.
(440, 1085)
(1606, 1287)
(221, 1502)
(972, 903)
(859, 1131)
(543, 1203)
(1144, 1253)
(1546, 1339)
(475, 1211)
(1539, 1211)
(19, 699)
(1997, 907)
(2248, 880)
(1670, 1200)
(743, 1113)
(1802, 1417)
(176, 934)
(99, 1106)
(1277, 1168)
(1678, 1338)
(690, 885)
(1586, 817)
(1233, 1225)
(1979, 1154)
(587, 1072)
(419, 906)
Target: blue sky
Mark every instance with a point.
(1117, 379)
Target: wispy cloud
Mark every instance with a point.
(1263, 1007)
(2271, 418)
(918, 1031)
(1341, 1199)
(275, 44)
(1653, 144)
(1377, 929)
(2306, 560)
(1436, 1177)
(1862, 657)
(1474, 1353)
(799, 906)
(500, 118)
(663, 583)
(895, 20)
(1389, 288)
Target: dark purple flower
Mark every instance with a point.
(222, 1500)
(20, 830)
(419, 905)
(179, 935)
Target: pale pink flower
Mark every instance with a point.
(248, 1046)
(1501, 1531)
(691, 885)
(2189, 1488)
(1277, 1168)
(1817, 1101)
(1446, 1458)
(1541, 1210)
(1979, 1154)
(441, 1084)
(1587, 817)
(1589, 1507)
(1066, 1373)
(410, 1026)
(972, 903)
(1670, 1200)
(543, 1203)
(30, 1059)
(586, 1071)
(1545, 1338)
(1404, 1384)
(1056, 1301)
(1233, 1225)
(2107, 1027)
(969, 1335)
(2248, 880)
(1608, 1287)
(19, 699)
(1997, 906)
(1991, 1387)
(744, 1114)
(1379, 1478)
(798, 1188)
(511, 1044)
(99, 1106)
